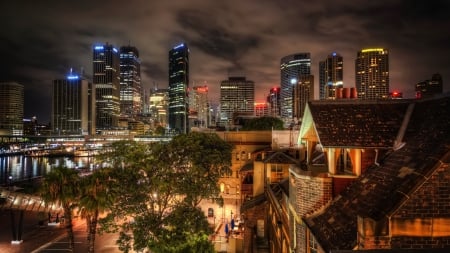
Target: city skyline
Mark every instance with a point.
(41, 42)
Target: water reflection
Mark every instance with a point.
(26, 167)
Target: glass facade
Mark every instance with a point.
(130, 82)
(292, 67)
(178, 89)
(106, 80)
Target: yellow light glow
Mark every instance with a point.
(372, 50)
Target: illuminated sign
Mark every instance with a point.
(114, 49)
(333, 54)
(98, 47)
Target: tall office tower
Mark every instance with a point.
(199, 106)
(106, 79)
(11, 108)
(331, 76)
(429, 88)
(237, 98)
(274, 102)
(372, 73)
(178, 88)
(73, 106)
(158, 105)
(292, 67)
(303, 92)
(130, 82)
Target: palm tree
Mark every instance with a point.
(60, 186)
(96, 198)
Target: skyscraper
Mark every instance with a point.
(158, 101)
(237, 98)
(303, 92)
(372, 73)
(106, 80)
(130, 82)
(11, 108)
(331, 76)
(274, 102)
(178, 88)
(73, 106)
(292, 67)
(199, 106)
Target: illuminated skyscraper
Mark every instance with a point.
(292, 67)
(130, 82)
(372, 73)
(158, 103)
(178, 88)
(237, 98)
(274, 102)
(303, 92)
(331, 76)
(199, 113)
(73, 106)
(106, 79)
(11, 108)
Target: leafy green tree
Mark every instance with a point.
(158, 187)
(199, 159)
(263, 124)
(97, 196)
(61, 186)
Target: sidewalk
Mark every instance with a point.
(33, 235)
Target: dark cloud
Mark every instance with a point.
(41, 41)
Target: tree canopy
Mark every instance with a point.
(263, 123)
(157, 188)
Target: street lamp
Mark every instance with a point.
(10, 182)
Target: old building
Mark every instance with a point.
(398, 197)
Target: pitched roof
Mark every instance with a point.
(280, 158)
(382, 188)
(355, 123)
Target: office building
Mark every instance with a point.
(303, 92)
(292, 67)
(429, 88)
(372, 73)
(199, 113)
(274, 102)
(237, 99)
(158, 105)
(178, 89)
(11, 108)
(73, 106)
(331, 76)
(106, 79)
(130, 83)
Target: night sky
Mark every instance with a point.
(41, 40)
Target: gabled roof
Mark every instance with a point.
(381, 189)
(280, 158)
(354, 123)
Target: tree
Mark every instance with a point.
(263, 123)
(159, 185)
(96, 197)
(61, 186)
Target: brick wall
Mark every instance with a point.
(428, 206)
(251, 216)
